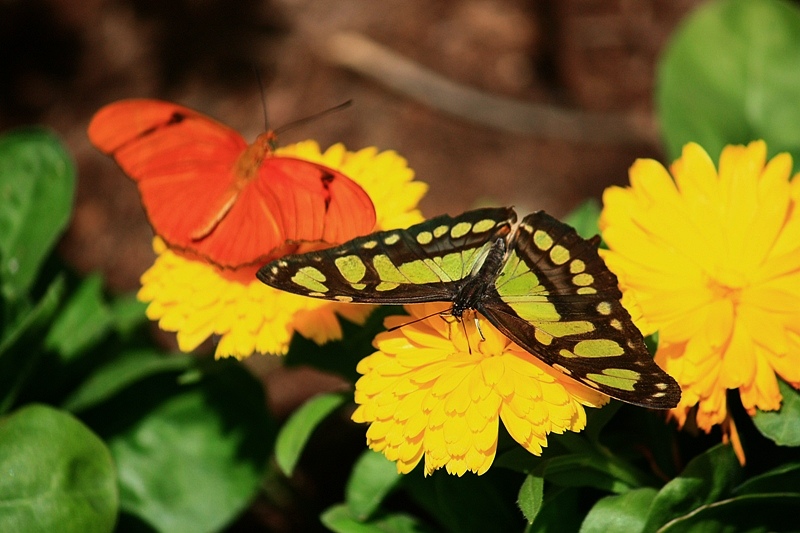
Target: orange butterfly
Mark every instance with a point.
(207, 192)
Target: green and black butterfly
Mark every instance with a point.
(542, 285)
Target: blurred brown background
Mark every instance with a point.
(586, 59)
(567, 86)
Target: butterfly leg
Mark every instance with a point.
(466, 336)
(478, 327)
(449, 318)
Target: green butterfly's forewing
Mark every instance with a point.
(423, 263)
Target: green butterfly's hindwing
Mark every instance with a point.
(556, 298)
(424, 263)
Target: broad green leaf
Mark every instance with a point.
(372, 479)
(339, 520)
(756, 513)
(531, 497)
(584, 218)
(709, 477)
(37, 182)
(297, 430)
(194, 457)
(55, 474)
(83, 322)
(122, 372)
(785, 478)
(730, 76)
(783, 426)
(623, 513)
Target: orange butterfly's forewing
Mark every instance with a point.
(207, 192)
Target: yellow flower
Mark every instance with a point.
(713, 260)
(430, 391)
(198, 300)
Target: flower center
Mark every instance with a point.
(722, 290)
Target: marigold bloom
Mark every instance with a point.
(713, 260)
(430, 391)
(197, 299)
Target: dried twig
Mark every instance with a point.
(368, 58)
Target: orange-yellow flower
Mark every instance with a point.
(713, 259)
(198, 300)
(431, 392)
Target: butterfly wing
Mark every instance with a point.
(180, 159)
(317, 203)
(197, 198)
(556, 298)
(424, 263)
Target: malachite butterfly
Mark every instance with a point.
(539, 283)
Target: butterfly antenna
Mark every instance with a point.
(263, 92)
(315, 116)
(395, 328)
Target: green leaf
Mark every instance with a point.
(83, 322)
(579, 460)
(590, 470)
(709, 477)
(194, 457)
(372, 479)
(531, 497)
(623, 513)
(31, 321)
(55, 474)
(642, 431)
(584, 218)
(37, 182)
(760, 513)
(127, 313)
(122, 372)
(785, 478)
(560, 512)
(730, 76)
(469, 503)
(339, 520)
(597, 419)
(783, 426)
(651, 341)
(20, 347)
(297, 430)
